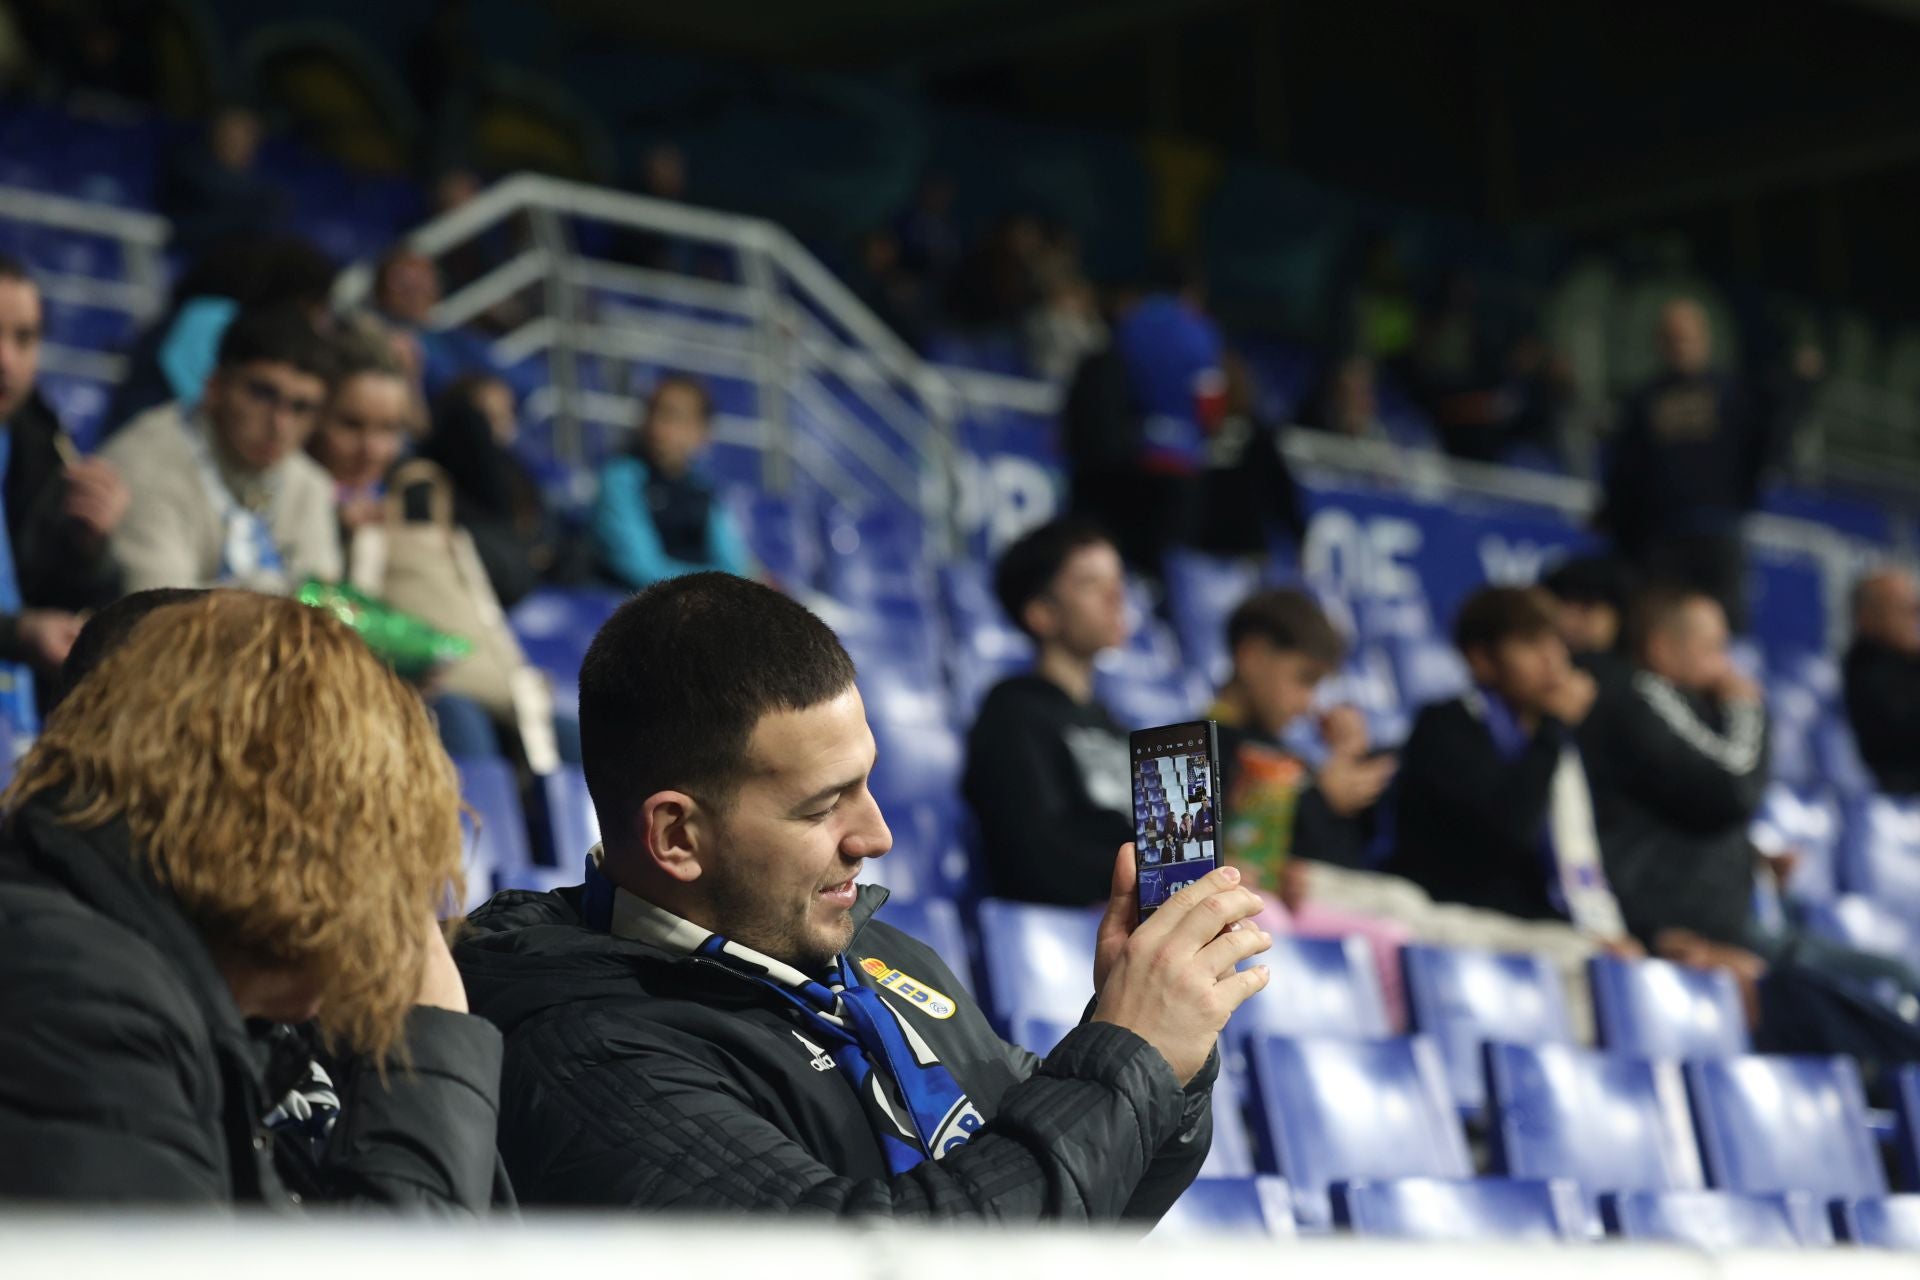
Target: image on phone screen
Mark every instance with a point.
(1176, 808)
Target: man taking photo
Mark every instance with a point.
(714, 1020)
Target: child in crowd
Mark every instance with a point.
(657, 517)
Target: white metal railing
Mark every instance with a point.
(877, 418)
(140, 295)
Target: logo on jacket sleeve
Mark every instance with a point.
(916, 993)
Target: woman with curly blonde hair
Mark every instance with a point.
(240, 816)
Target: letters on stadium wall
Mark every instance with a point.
(1404, 562)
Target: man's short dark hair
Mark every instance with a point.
(1492, 616)
(1591, 580)
(282, 335)
(1291, 621)
(1655, 609)
(675, 682)
(108, 629)
(11, 268)
(1028, 568)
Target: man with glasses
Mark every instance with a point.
(222, 490)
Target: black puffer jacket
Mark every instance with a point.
(638, 1078)
(127, 1074)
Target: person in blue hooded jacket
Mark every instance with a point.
(657, 517)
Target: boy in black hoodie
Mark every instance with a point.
(1046, 763)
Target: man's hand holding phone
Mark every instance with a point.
(1173, 981)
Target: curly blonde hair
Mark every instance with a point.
(282, 784)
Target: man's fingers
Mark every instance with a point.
(1122, 911)
(1212, 915)
(1243, 985)
(1188, 896)
(1225, 952)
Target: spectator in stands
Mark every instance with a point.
(363, 430)
(657, 517)
(929, 241)
(714, 1021)
(1169, 354)
(1883, 678)
(1249, 496)
(157, 907)
(174, 357)
(1046, 770)
(1676, 754)
(213, 191)
(495, 498)
(1686, 468)
(663, 176)
(1589, 595)
(1283, 647)
(406, 289)
(223, 491)
(1346, 403)
(1493, 807)
(57, 510)
(900, 298)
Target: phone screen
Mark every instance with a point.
(1176, 807)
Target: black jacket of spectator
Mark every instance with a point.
(1471, 823)
(1047, 779)
(1687, 462)
(642, 1079)
(1675, 780)
(58, 563)
(128, 1075)
(1883, 705)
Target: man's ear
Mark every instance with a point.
(1481, 666)
(675, 833)
(1038, 618)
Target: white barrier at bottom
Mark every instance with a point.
(198, 1247)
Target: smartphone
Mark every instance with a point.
(1177, 818)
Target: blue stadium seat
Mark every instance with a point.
(1038, 961)
(571, 826)
(556, 624)
(1716, 1219)
(1230, 1156)
(1886, 1222)
(1656, 1009)
(1906, 1093)
(1316, 987)
(1202, 593)
(1216, 1205)
(1345, 1110)
(1610, 1123)
(1466, 998)
(1807, 822)
(1769, 1125)
(1480, 1209)
(935, 922)
(1838, 757)
(1880, 855)
(497, 851)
